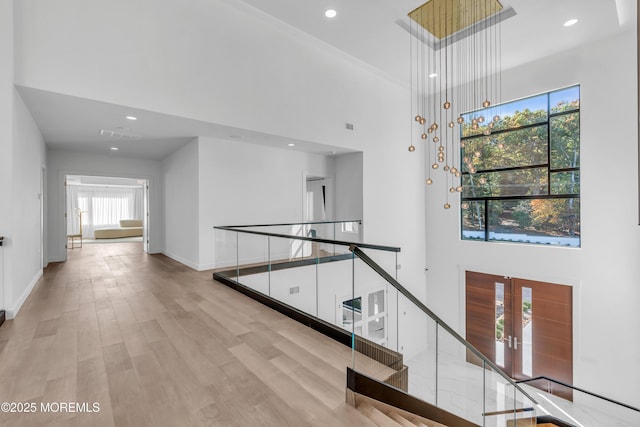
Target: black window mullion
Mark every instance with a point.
(563, 113)
(548, 145)
(565, 170)
(500, 131)
(486, 220)
(531, 197)
(514, 168)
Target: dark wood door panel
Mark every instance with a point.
(553, 367)
(551, 328)
(548, 328)
(554, 311)
(548, 324)
(551, 347)
(547, 291)
(480, 298)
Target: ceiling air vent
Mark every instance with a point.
(119, 134)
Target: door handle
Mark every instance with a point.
(509, 341)
(515, 342)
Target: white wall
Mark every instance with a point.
(604, 271)
(250, 184)
(6, 141)
(21, 159)
(61, 163)
(348, 185)
(181, 205)
(25, 248)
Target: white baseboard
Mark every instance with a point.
(11, 312)
(181, 260)
(55, 259)
(193, 265)
(203, 267)
(155, 250)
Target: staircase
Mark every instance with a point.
(473, 390)
(384, 415)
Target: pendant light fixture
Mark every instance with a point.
(455, 71)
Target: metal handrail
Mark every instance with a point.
(393, 282)
(578, 389)
(310, 239)
(359, 221)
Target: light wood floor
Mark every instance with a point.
(156, 343)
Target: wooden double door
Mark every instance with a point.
(524, 326)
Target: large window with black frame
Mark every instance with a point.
(520, 165)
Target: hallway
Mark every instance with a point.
(153, 342)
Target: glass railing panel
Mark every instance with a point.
(294, 269)
(379, 300)
(348, 231)
(383, 302)
(580, 408)
(298, 229)
(226, 252)
(503, 404)
(335, 287)
(253, 261)
(375, 323)
(459, 378)
(418, 344)
(322, 230)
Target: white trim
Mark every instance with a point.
(188, 263)
(12, 312)
(154, 250)
(205, 267)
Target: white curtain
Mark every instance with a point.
(101, 207)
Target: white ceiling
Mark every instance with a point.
(367, 30)
(72, 123)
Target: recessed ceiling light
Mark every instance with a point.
(131, 118)
(433, 75)
(330, 13)
(114, 148)
(291, 145)
(570, 22)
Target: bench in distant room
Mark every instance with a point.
(128, 228)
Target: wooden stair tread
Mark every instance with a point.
(416, 420)
(400, 419)
(377, 416)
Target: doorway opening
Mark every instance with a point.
(318, 198)
(317, 207)
(103, 210)
(524, 326)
